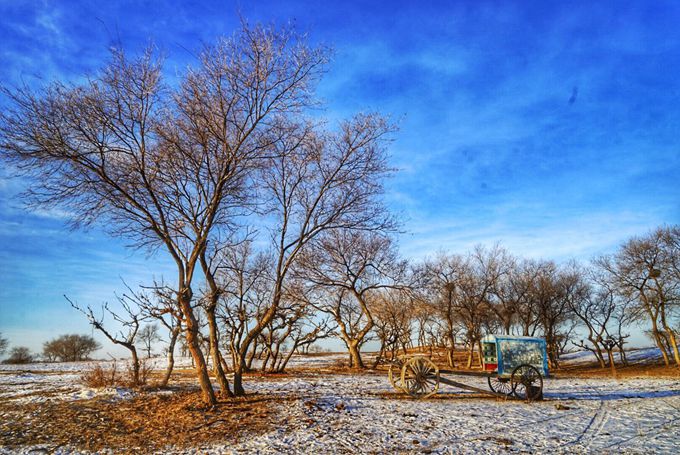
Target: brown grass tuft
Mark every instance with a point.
(100, 377)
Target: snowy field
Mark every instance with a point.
(360, 413)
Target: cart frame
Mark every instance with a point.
(420, 377)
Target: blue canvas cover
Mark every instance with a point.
(514, 351)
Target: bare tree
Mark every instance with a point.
(313, 183)
(393, 313)
(4, 344)
(554, 293)
(294, 327)
(604, 313)
(461, 288)
(427, 323)
(440, 276)
(161, 306)
(210, 302)
(345, 268)
(161, 165)
(70, 348)
(525, 282)
(19, 355)
(158, 302)
(644, 270)
(130, 322)
(148, 336)
(511, 302)
(244, 277)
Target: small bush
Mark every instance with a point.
(145, 368)
(100, 377)
(19, 355)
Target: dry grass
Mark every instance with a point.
(100, 377)
(147, 423)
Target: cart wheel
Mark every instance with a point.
(500, 385)
(420, 377)
(394, 374)
(527, 383)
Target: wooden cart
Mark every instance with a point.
(513, 366)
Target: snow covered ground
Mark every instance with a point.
(352, 413)
(361, 413)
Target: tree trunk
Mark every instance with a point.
(471, 354)
(288, 356)
(660, 343)
(355, 355)
(225, 365)
(171, 356)
(238, 377)
(449, 357)
(480, 351)
(655, 330)
(611, 362)
(193, 343)
(380, 355)
(135, 365)
(622, 354)
(671, 338)
(252, 354)
(265, 362)
(598, 353)
(218, 371)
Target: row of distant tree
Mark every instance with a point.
(69, 348)
(454, 300)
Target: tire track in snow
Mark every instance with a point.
(602, 415)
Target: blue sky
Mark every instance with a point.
(552, 128)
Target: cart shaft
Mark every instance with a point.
(460, 385)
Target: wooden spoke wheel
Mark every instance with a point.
(394, 374)
(500, 385)
(420, 377)
(527, 383)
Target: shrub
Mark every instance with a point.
(100, 377)
(145, 368)
(19, 355)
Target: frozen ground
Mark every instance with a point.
(352, 413)
(360, 413)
